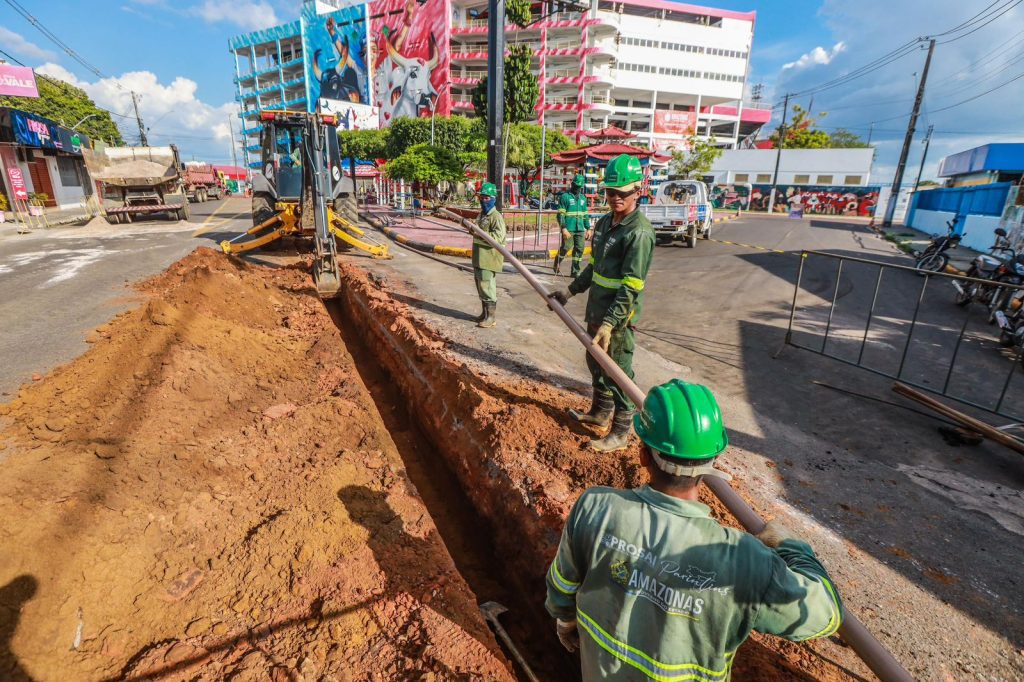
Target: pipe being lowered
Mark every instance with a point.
(870, 650)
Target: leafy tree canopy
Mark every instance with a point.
(427, 164)
(456, 133)
(521, 88)
(66, 104)
(841, 138)
(695, 159)
(363, 144)
(801, 132)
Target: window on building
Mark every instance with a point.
(764, 177)
(68, 169)
(642, 105)
(853, 180)
(622, 102)
(741, 177)
(824, 179)
(802, 179)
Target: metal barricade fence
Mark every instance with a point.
(905, 324)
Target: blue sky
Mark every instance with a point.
(174, 53)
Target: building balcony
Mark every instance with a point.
(462, 103)
(606, 23)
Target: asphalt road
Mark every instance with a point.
(62, 282)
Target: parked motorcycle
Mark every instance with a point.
(1011, 323)
(993, 266)
(934, 258)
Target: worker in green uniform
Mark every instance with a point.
(574, 223)
(649, 587)
(619, 260)
(486, 259)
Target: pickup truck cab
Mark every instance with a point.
(681, 210)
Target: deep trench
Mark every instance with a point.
(467, 535)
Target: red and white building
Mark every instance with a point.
(655, 68)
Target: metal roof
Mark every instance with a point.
(1002, 156)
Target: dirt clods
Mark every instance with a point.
(209, 493)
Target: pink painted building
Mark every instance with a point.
(655, 68)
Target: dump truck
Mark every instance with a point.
(201, 182)
(139, 181)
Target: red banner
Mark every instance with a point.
(674, 122)
(411, 58)
(14, 174)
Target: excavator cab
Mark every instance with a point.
(301, 190)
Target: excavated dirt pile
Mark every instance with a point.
(523, 463)
(210, 493)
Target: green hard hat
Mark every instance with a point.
(579, 180)
(682, 421)
(488, 189)
(623, 172)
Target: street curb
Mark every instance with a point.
(725, 218)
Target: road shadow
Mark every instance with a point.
(13, 597)
(433, 308)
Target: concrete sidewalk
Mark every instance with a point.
(913, 241)
(53, 217)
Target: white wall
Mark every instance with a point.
(978, 233)
(932, 222)
(66, 197)
(813, 162)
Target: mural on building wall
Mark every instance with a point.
(735, 197)
(816, 199)
(334, 46)
(410, 58)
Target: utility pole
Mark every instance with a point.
(142, 129)
(890, 208)
(231, 131)
(496, 96)
(871, 131)
(778, 155)
(927, 143)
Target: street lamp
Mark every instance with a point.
(433, 109)
(83, 120)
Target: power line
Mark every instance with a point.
(988, 20)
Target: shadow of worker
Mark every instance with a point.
(13, 596)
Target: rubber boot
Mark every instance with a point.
(489, 319)
(618, 438)
(558, 261)
(601, 409)
(483, 313)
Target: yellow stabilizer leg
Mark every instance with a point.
(229, 247)
(339, 227)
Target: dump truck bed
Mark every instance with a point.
(133, 166)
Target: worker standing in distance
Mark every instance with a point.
(649, 587)
(575, 224)
(487, 261)
(619, 259)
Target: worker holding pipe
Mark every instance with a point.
(574, 223)
(487, 261)
(648, 586)
(619, 260)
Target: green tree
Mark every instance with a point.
(695, 159)
(66, 104)
(841, 138)
(522, 150)
(801, 132)
(426, 164)
(364, 144)
(518, 12)
(521, 88)
(456, 133)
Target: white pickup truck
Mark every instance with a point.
(681, 210)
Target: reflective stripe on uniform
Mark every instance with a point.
(606, 282)
(837, 615)
(563, 585)
(634, 283)
(656, 670)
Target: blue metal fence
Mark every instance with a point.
(986, 200)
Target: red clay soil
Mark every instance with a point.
(209, 493)
(523, 463)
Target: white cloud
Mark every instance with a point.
(249, 14)
(818, 55)
(171, 111)
(16, 44)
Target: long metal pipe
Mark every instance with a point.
(870, 650)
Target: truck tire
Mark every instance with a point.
(347, 207)
(262, 208)
(691, 238)
(183, 212)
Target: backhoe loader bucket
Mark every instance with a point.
(327, 283)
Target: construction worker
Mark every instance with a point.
(486, 259)
(575, 224)
(649, 587)
(619, 259)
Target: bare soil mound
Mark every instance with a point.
(209, 493)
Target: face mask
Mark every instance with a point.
(577, 190)
(487, 203)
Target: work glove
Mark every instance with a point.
(568, 635)
(565, 233)
(774, 533)
(603, 337)
(561, 295)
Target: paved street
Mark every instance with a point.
(62, 282)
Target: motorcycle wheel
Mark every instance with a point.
(932, 262)
(997, 304)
